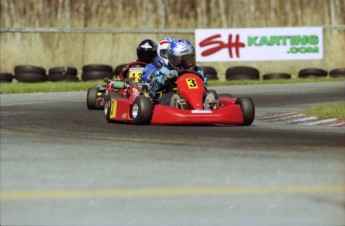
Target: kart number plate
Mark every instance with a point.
(191, 83)
(135, 74)
(113, 109)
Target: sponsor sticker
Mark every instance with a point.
(201, 111)
(255, 44)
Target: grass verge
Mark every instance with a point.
(15, 87)
(335, 110)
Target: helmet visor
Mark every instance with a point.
(184, 62)
(163, 53)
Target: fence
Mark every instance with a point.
(51, 47)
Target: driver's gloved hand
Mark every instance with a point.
(172, 74)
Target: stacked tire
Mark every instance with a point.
(312, 73)
(6, 77)
(278, 75)
(242, 73)
(336, 73)
(66, 74)
(96, 72)
(29, 73)
(210, 73)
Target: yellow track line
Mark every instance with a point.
(155, 192)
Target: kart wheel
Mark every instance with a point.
(91, 98)
(174, 101)
(248, 110)
(141, 111)
(166, 99)
(209, 98)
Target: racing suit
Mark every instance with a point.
(159, 76)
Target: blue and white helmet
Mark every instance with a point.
(181, 54)
(162, 51)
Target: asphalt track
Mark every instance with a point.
(62, 164)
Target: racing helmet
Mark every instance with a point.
(147, 51)
(162, 51)
(181, 54)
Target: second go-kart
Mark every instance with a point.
(96, 95)
(186, 101)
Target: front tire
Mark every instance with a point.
(248, 110)
(141, 111)
(91, 98)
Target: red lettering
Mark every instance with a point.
(237, 44)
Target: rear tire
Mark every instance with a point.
(91, 98)
(248, 110)
(141, 111)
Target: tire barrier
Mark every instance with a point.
(96, 72)
(339, 72)
(67, 74)
(6, 77)
(242, 72)
(29, 73)
(210, 73)
(276, 76)
(312, 72)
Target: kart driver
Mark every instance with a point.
(181, 56)
(146, 53)
(160, 60)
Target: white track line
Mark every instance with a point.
(320, 122)
(280, 115)
(285, 118)
(304, 119)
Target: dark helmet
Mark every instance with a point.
(147, 51)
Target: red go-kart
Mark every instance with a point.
(186, 101)
(96, 95)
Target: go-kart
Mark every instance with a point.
(95, 97)
(185, 101)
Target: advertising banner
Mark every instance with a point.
(258, 44)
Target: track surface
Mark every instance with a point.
(62, 164)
